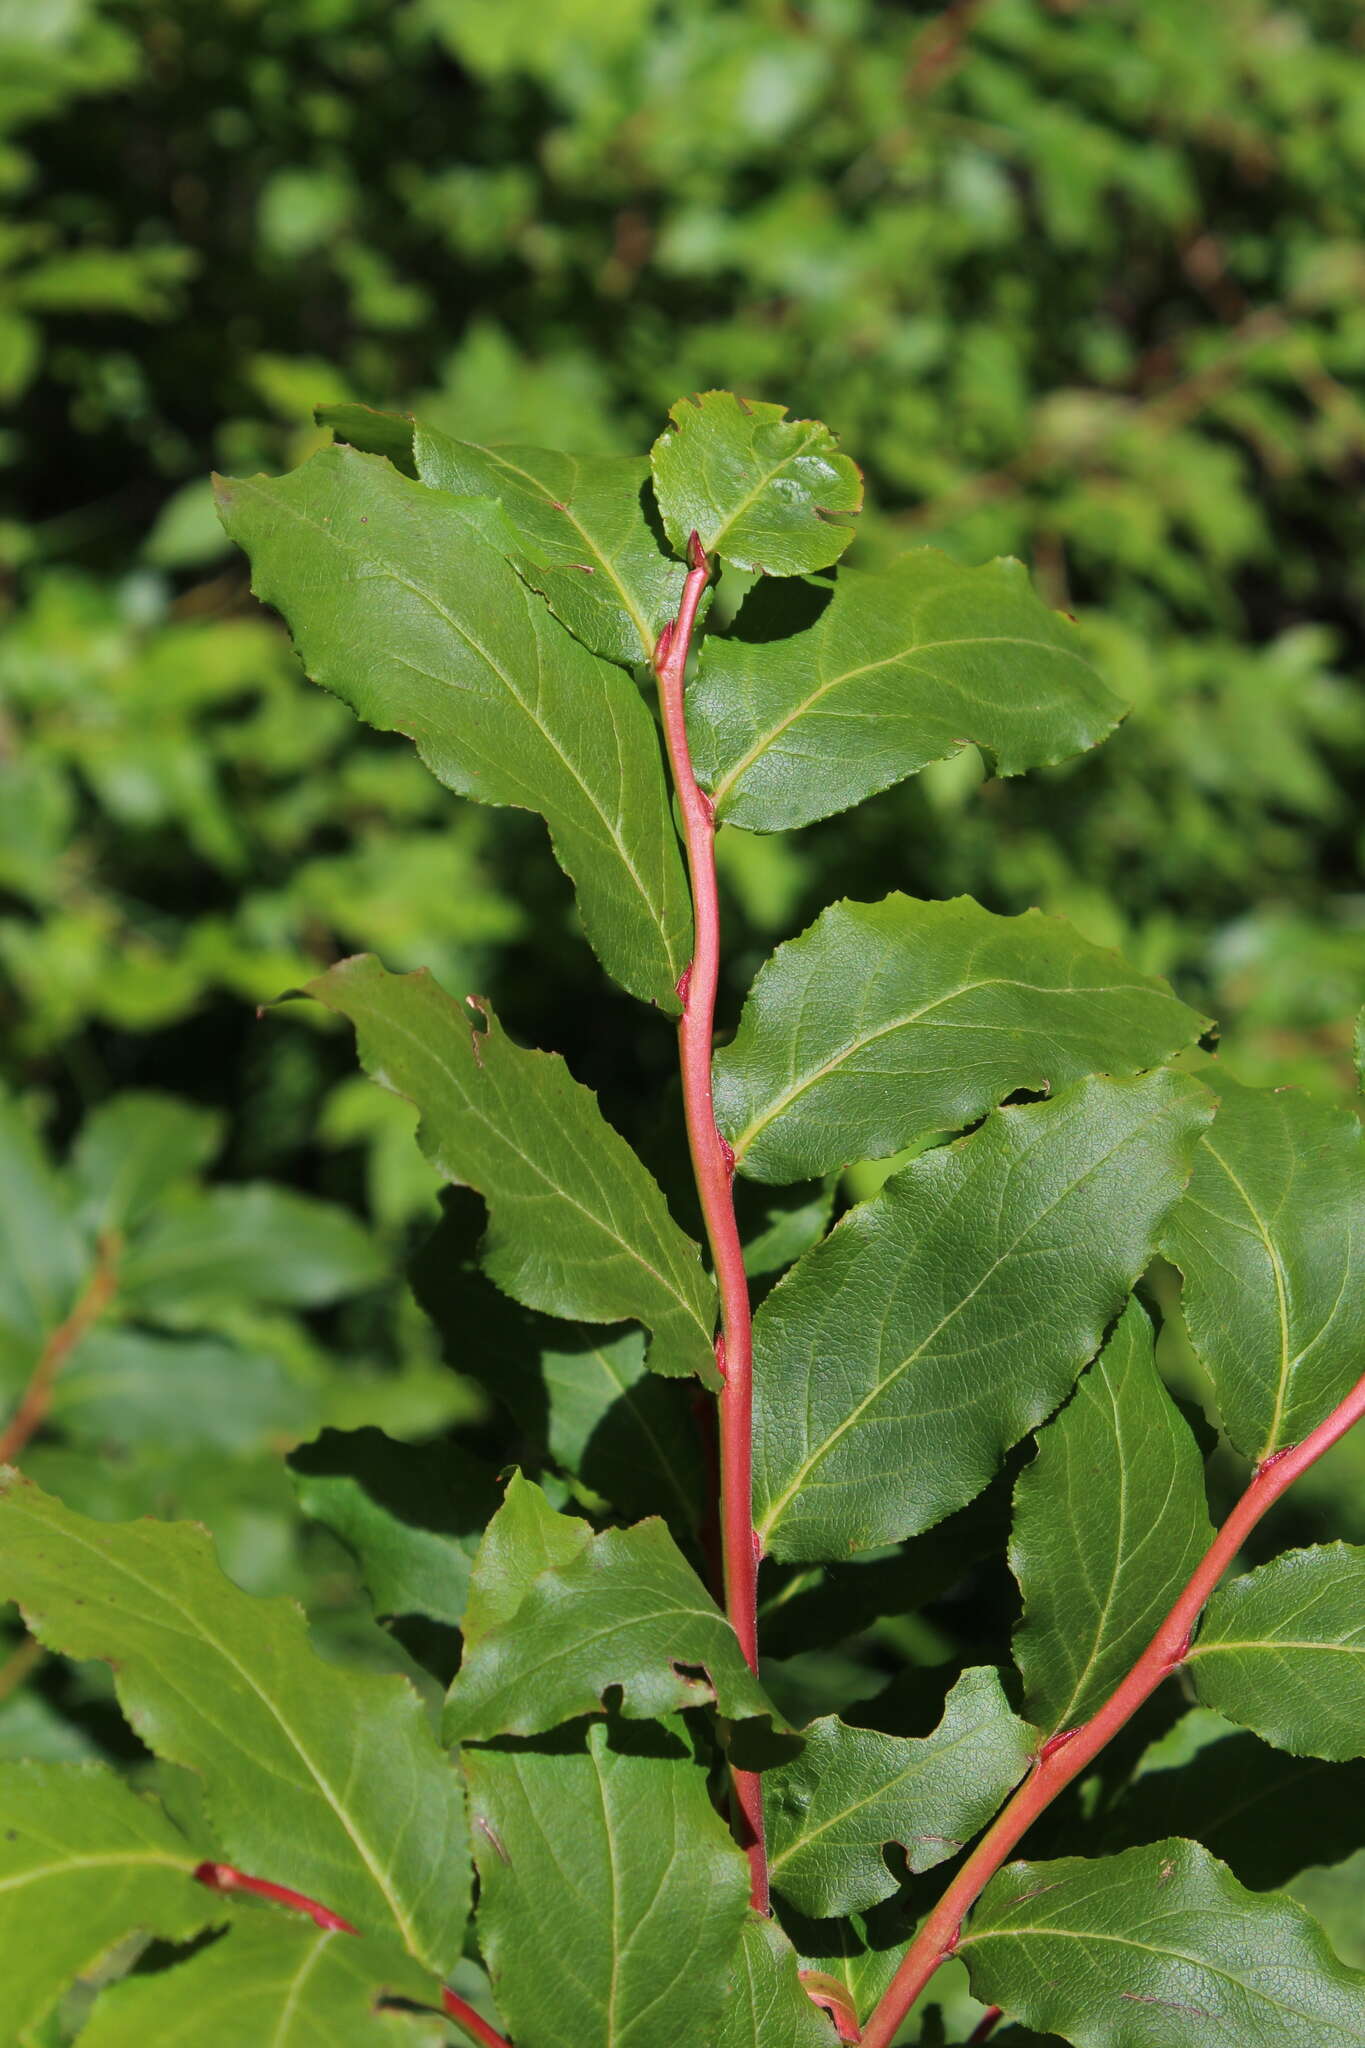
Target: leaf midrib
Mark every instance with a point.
(319, 1777)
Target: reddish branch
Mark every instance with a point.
(36, 1399)
(1068, 1754)
(713, 1167)
(221, 1877)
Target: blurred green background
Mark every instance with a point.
(1077, 280)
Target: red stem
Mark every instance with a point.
(1068, 1754)
(713, 1167)
(986, 2025)
(221, 1877)
(36, 1399)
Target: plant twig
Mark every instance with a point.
(36, 1399)
(1068, 1753)
(713, 1167)
(222, 1877)
(986, 2025)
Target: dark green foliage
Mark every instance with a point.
(1078, 293)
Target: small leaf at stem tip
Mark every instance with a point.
(738, 479)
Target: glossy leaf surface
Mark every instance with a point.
(636, 1950)
(1282, 1651)
(1110, 1519)
(887, 1021)
(763, 492)
(1271, 1241)
(398, 606)
(328, 1780)
(942, 1320)
(577, 1225)
(906, 665)
(850, 1792)
(84, 1861)
(1158, 1948)
(626, 1611)
(411, 1513)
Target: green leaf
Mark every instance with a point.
(136, 1387)
(273, 1978)
(611, 1898)
(132, 1149)
(526, 1537)
(1158, 1948)
(588, 543)
(851, 1792)
(578, 1227)
(1110, 1520)
(397, 605)
(759, 489)
(906, 665)
(84, 1862)
(43, 1256)
(579, 1394)
(1270, 1239)
(888, 1021)
(412, 1513)
(581, 526)
(944, 1319)
(1282, 1651)
(766, 2005)
(1267, 1815)
(627, 1610)
(324, 1779)
(219, 1246)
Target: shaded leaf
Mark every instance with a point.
(851, 1792)
(766, 2006)
(412, 1514)
(44, 1257)
(636, 1949)
(582, 1395)
(887, 1021)
(400, 607)
(324, 1779)
(626, 1610)
(1270, 1239)
(1282, 1651)
(906, 665)
(577, 1225)
(273, 1978)
(760, 490)
(1157, 1948)
(133, 1148)
(134, 1387)
(1110, 1519)
(1265, 1814)
(942, 1320)
(217, 1246)
(84, 1861)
